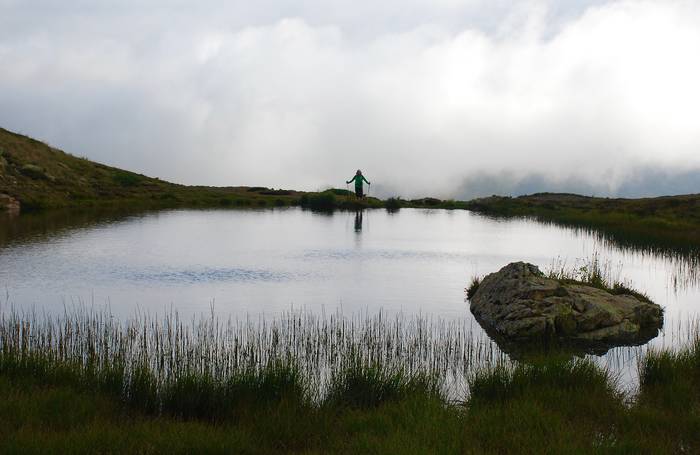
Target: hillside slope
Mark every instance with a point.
(40, 177)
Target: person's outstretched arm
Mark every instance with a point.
(367, 181)
(351, 180)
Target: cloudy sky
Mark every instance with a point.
(442, 97)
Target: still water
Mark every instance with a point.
(265, 262)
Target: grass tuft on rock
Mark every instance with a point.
(596, 274)
(473, 287)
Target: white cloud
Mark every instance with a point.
(419, 102)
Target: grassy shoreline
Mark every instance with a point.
(41, 177)
(85, 383)
(669, 221)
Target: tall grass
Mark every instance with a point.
(593, 272)
(669, 377)
(206, 367)
(363, 386)
(503, 383)
(474, 284)
(304, 382)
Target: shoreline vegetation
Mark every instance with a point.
(668, 221)
(41, 177)
(82, 381)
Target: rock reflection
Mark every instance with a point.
(529, 349)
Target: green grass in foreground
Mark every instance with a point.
(557, 406)
(83, 384)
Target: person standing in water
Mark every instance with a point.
(358, 183)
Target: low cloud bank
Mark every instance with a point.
(642, 182)
(523, 100)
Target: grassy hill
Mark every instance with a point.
(41, 177)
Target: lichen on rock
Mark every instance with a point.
(520, 304)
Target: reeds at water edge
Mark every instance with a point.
(206, 367)
(298, 356)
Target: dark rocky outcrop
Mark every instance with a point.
(520, 304)
(9, 203)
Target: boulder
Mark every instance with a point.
(520, 304)
(33, 171)
(9, 203)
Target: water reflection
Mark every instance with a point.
(682, 256)
(358, 221)
(32, 227)
(524, 350)
(684, 263)
(681, 250)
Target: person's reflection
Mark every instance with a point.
(358, 221)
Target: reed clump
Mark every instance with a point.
(502, 383)
(206, 368)
(325, 200)
(593, 272)
(365, 386)
(670, 379)
(393, 203)
(470, 290)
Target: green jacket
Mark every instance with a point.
(358, 181)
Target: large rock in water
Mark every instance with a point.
(519, 303)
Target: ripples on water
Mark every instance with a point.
(210, 275)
